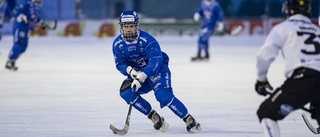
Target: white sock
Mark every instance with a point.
(270, 128)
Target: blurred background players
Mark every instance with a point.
(139, 57)
(26, 18)
(297, 38)
(3, 9)
(3, 6)
(211, 15)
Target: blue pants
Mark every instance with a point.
(203, 41)
(20, 42)
(161, 85)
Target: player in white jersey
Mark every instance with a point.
(298, 39)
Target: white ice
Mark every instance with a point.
(69, 87)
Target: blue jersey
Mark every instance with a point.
(3, 8)
(210, 13)
(31, 10)
(143, 54)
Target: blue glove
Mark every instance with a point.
(263, 88)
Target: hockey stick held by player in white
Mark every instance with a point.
(236, 30)
(54, 26)
(47, 26)
(309, 125)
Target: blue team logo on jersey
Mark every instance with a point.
(132, 48)
(285, 109)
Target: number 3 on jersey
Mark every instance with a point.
(311, 41)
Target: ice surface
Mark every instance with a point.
(68, 87)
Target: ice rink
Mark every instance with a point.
(69, 87)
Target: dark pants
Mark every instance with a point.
(303, 87)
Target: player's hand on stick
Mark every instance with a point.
(138, 80)
(263, 88)
(133, 73)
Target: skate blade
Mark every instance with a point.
(164, 127)
(12, 69)
(196, 129)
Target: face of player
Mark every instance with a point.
(129, 31)
(129, 28)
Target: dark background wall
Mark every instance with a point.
(178, 9)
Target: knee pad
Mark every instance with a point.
(264, 112)
(269, 109)
(125, 90)
(126, 84)
(164, 97)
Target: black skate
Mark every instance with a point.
(192, 125)
(199, 58)
(10, 65)
(158, 122)
(207, 56)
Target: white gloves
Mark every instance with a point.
(22, 18)
(133, 73)
(137, 76)
(196, 16)
(138, 81)
(219, 26)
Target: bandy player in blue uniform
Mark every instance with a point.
(3, 9)
(26, 18)
(138, 56)
(211, 15)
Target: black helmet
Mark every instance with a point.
(292, 7)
